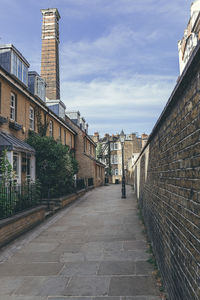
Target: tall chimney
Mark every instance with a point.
(50, 52)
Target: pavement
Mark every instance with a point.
(92, 250)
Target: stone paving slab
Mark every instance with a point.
(21, 297)
(36, 257)
(92, 250)
(43, 286)
(117, 268)
(132, 286)
(80, 268)
(105, 298)
(143, 268)
(40, 247)
(9, 284)
(35, 269)
(88, 286)
(135, 245)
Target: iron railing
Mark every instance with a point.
(80, 184)
(106, 180)
(57, 191)
(90, 181)
(15, 198)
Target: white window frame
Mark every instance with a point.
(114, 159)
(89, 148)
(13, 107)
(116, 172)
(71, 140)
(65, 133)
(60, 133)
(116, 146)
(31, 118)
(111, 147)
(16, 154)
(51, 128)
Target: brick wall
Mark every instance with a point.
(167, 182)
(24, 101)
(85, 153)
(12, 227)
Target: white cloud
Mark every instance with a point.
(84, 8)
(115, 52)
(121, 101)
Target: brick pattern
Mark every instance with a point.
(170, 195)
(85, 154)
(22, 116)
(50, 54)
(14, 226)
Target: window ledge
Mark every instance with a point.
(3, 120)
(14, 125)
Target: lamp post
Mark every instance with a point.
(122, 141)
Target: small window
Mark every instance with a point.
(89, 148)
(111, 146)
(71, 141)
(116, 172)
(116, 146)
(16, 163)
(60, 133)
(31, 117)
(50, 128)
(114, 159)
(12, 106)
(25, 74)
(65, 137)
(19, 69)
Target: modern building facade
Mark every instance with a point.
(191, 36)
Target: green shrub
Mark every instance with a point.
(55, 165)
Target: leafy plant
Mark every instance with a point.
(6, 170)
(41, 126)
(55, 165)
(7, 196)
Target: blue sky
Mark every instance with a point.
(118, 58)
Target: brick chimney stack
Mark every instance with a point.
(50, 52)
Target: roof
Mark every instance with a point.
(10, 142)
(24, 89)
(12, 47)
(53, 10)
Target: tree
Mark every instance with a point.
(55, 165)
(99, 150)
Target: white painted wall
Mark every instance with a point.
(195, 7)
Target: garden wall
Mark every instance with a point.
(167, 184)
(12, 227)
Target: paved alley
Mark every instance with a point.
(94, 249)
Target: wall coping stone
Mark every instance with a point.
(21, 215)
